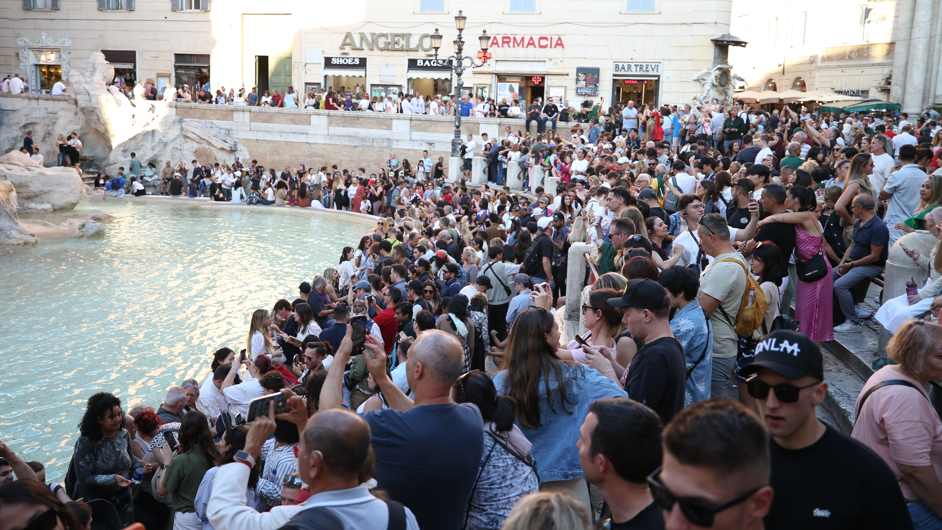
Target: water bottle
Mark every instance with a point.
(149, 457)
(138, 476)
(751, 299)
(911, 289)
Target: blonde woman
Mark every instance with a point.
(551, 510)
(858, 181)
(258, 342)
(468, 262)
(635, 215)
(333, 287)
(464, 229)
(930, 198)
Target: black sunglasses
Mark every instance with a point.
(695, 511)
(47, 520)
(292, 481)
(784, 392)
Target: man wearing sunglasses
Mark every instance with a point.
(716, 469)
(787, 381)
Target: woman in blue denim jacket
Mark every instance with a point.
(550, 413)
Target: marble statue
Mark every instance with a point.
(714, 86)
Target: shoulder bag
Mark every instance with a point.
(499, 280)
(671, 201)
(878, 386)
(815, 268)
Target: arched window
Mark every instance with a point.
(799, 84)
(770, 86)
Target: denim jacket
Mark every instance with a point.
(694, 331)
(554, 441)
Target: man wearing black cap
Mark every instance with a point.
(858, 491)
(480, 285)
(656, 378)
(558, 262)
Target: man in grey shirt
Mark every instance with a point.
(902, 190)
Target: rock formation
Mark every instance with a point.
(11, 231)
(143, 127)
(60, 187)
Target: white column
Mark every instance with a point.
(478, 165)
(575, 272)
(537, 177)
(515, 176)
(454, 168)
(901, 53)
(551, 184)
(914, 95)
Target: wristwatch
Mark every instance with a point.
(243, 456)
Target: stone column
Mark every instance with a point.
(914, 95)
(575, 272)
(904, 26)
(551, 184)
(515, 176)
(454, 168)
(537, 177)
(478, 166)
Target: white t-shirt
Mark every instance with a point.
(136, 186)
(16, 85)
(882, 165)
(406, 106)
(689, 239)
(686, 183)
(902, 139)
(59, 88)
(762, 154)
(470, 152)
(581, 166)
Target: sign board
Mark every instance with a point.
(394, 42)
(521, 67)
(353, 63)
(626, 68)
(429, 64)
(524, 41)
(587, 81)
(507, 90)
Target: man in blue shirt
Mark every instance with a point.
(864, 260)
(321, 312)
(466, 106)
(334, 334)
(452, 286)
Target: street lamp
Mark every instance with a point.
(457, 62)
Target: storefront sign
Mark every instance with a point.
(523, 41)
(355, 63)
(521, 67)
(587, 81)
(394, 42)
(429, 64)
(620, 68)
(856, 92)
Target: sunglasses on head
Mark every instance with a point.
(293, 481)
(784, 392)
(696, 512)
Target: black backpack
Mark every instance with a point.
(321, 518)
(532, 263)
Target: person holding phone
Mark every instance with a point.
(184, 466)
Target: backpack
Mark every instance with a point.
(671, 201)
(749, 319)
(531, 260)
(321, 518)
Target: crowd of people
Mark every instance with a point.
(426, 384)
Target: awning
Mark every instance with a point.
(345, 72)
(860, 106)
(428, 74)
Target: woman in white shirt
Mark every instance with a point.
(137, 189)
(380, 106)
(266, 100)
(420, 172)
(347, 269)
(238, 195)
(311, 101)
(433, 107)
(306, 323)
(259, 340)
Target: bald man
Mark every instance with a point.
(424, 444)
(334, 445)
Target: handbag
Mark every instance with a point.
(671, 201)
(815, 268)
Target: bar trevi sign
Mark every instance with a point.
(394, 42)
(631, 67)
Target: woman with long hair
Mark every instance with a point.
(552, 398)
(32, 502)
(858, 181)
(104, 462)
(812, 299)
(346, 269)
(231, 442)
(259, 340)
(930, 198)
(765, 263)
(666, 253)
(333, 284)
(468, 258)
(306, 323)
(507, 471)
(706, 190)
(637, 220)
(604, 326)
(185, 468)
(431, 295)
(458, 323)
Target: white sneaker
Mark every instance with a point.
(847, 327)
(863, 312)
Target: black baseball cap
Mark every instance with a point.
(304, 287)
(789, 354)
(647, 193)
(483, 280)
(642, 294)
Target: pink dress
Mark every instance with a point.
(813, 300)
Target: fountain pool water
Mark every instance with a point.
(143, 307)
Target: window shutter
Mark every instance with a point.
(102, 6)
(27, 4)
(204, 5)
(176, 5)
(54, 4)
(130, 4)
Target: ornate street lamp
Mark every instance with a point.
(458, 66)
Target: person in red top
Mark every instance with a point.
(277, 99)
(386, 318)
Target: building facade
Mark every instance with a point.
(881, 49)
(645, 50)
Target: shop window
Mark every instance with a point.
(799, 84)
(770, 86)
(432, 6)
(385, 90)
(40, 4)
(640, 6)
(189, 5)
(522, 6)
(116, 5)
(190, 69)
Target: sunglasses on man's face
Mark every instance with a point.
(696, 512)
(784, 392)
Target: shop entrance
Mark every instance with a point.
(526, 88)
(640, 90)
(261, 73)
(124, 64)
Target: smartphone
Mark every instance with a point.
(242, 356)
(260, 405)
(902, 246)
(581, 341)
(171, 440)
(359, 334)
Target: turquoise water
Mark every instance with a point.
(142, 308)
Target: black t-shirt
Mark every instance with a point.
(176, 187)
(650, 518)
(428, 459)
(656, 377)
(551, 110)
(737, 217)
(542, 247)
(783, 235)
(657, 211)
(836, 483)
(502, 109)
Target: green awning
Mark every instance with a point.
(859, 106)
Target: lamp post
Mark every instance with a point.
(458, 67)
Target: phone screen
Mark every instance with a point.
(359, 334)
(171, 440)
(242, 356)
(260, 405)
